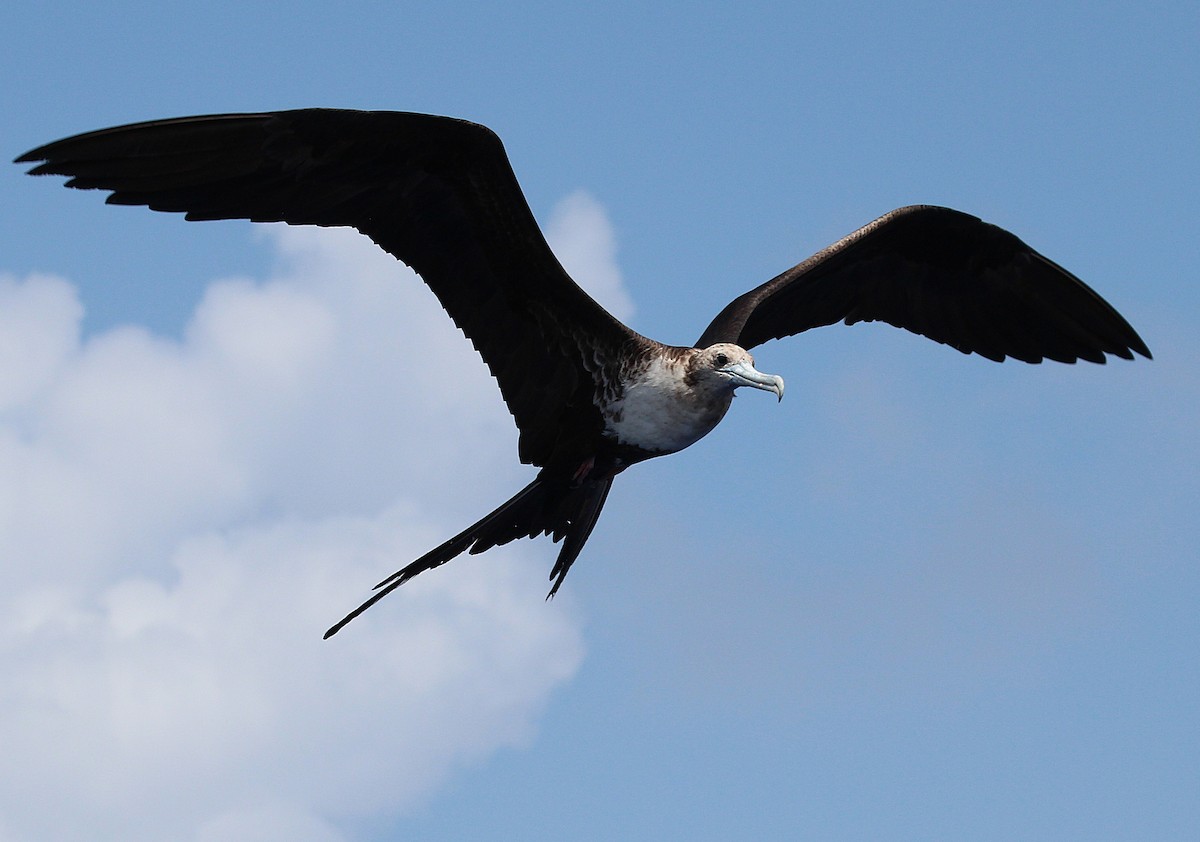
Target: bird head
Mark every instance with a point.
(731, 366)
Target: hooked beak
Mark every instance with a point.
(744, 374)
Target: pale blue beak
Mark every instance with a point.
(744, 374)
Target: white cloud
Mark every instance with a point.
(181, 520)
(583, 238)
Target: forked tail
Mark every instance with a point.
(545, 506)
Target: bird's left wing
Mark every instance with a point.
(436, 192)
(942, 274)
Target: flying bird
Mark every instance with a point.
(589, 396)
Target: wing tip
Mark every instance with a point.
(1139, 347)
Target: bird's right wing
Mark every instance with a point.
(436, 192)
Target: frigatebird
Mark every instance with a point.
(590, 396)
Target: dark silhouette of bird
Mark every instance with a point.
(589, 396)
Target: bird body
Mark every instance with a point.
(679, 395)
(589, 396)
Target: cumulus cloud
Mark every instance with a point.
(585, 242)
(181, 519)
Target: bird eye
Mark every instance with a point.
(722, 360)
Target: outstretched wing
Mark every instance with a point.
(437, 193)
(945, 275)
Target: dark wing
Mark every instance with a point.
(943, 274)
(437, 193)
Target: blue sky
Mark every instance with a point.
(926, 596)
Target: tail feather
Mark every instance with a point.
(545, 506)
(581, 529)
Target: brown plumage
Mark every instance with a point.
(589, 395)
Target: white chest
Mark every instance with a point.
(659, 412)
